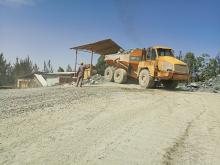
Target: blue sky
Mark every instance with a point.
(46, 29)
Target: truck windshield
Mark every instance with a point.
(164, 52)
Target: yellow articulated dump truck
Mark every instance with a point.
(151, 66)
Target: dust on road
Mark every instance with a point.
(109, 125)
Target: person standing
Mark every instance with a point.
(80, 75)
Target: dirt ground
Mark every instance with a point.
(109, 124)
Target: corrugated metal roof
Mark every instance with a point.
(103, 47)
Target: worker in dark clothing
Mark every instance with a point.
(80, 74)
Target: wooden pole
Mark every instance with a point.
(91, 63)
(76, 61)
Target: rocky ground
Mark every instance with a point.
(109, 124)
(212, 85)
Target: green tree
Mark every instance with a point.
(212, 67)
(201, 66)
(5, 71)
(69, 69)
(60, 69)
(49, 66)
(190, 60)
(206, 67)
(35, 68)
(46, 70)
(101, 65)
(22, 67)
(218, 62)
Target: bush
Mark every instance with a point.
(101, 65)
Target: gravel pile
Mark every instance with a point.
(211, 85)
(95, 79)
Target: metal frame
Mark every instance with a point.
(76, 58)
(102, 47)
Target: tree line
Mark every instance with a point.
(9, 73)
(202, 67)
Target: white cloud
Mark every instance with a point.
(16, 2)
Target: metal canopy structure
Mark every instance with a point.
(102, 47)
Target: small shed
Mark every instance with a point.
(42, 79)
(32, 80)
(59, 78)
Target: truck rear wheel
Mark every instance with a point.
(109, 74)
(120, 76)
(145, 80)
(170, 84)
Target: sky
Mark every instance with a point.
(46, 29)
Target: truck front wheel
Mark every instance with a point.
(145, 80)
(170, 84)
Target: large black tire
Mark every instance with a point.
(170, 84)
(145, 80)
(120, 76)
(109, 74)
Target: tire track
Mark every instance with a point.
(178, 145)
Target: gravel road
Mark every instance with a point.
(111, 125)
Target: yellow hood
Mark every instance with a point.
(171, 60)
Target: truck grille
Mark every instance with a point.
(181, 69)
